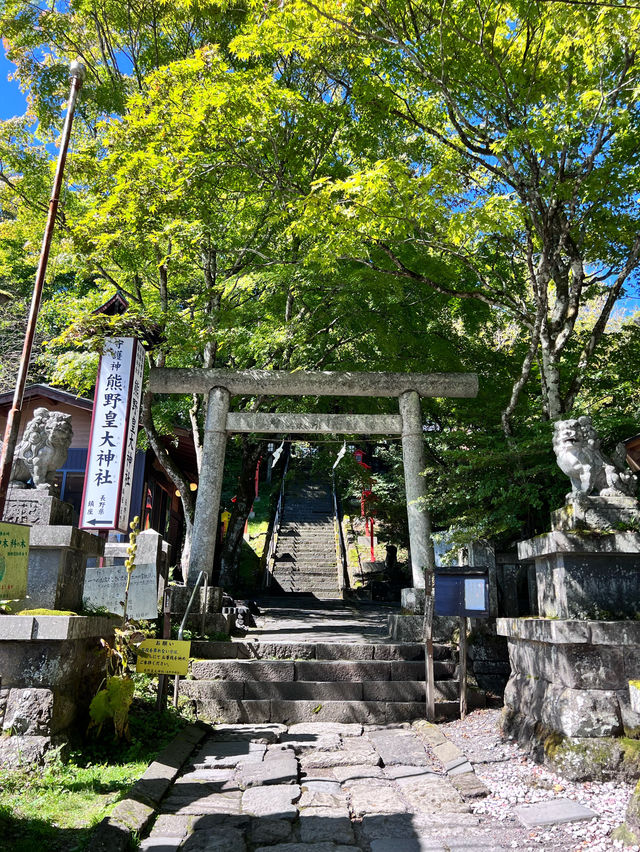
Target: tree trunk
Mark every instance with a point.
(173, 472)
(245, 495)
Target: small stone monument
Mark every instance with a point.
(570, 668)
(58, 551)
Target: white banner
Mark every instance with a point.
(107, 486)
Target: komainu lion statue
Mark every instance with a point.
(577, 448)
(42, 450)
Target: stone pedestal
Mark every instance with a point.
(569, 685)
(34, 506)
(57, 566)
(597, 514)
(585, 574)
(51, 669)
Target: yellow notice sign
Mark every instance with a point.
(163, 656)
(14, 560)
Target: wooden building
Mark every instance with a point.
(153, 499)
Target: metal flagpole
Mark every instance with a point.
(77, 73)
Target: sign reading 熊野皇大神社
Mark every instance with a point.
(114, 431)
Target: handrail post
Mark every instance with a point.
(201, 576)
(343, 581)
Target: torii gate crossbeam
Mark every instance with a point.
(222, 384)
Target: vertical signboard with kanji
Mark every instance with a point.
(114, 429)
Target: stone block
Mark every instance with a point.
(282, 771)
(401, 651)
(399, 747)
(320, 728)
(244, 712)
(406, 628)
(341, 651)
(404, 711)
(304, 691)
(367, 799)
(393, 690)
(433, 795)
(412, 600)
(269, 831)
(224, 839)
(560, 631)
(16, 627)
(215, 690)
(211, 803)
(326, 825)
(256, 733)
(350, 776)
(563, 542)
(554, 812)
(634, 695)
(57, 564)
(180, 596)
(600, 514)
(312, 670)
(275, 651)
(469, 786)
(305, 847)
(37, 712)
(273, 802)
(584, 575)
(32, 506)
(243, 670)
(23, 751)
(291, 712)
(588, 666)
(582, 712)
(214, 650)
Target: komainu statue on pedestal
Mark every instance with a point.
(577, 448)
(42, 450)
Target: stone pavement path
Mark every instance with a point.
(328, 787)
(314, 620)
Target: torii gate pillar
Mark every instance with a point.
(420, 543)
(205, 522)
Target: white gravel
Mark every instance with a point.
(514, 779)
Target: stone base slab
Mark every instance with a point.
(604, 514)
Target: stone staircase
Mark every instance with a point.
(334, 682)
(305, 559)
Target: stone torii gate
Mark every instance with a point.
(221, 385)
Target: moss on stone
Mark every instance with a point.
(46, 612)
(630, 750)
(625, 835)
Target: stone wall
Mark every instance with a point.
(50, 669)
(569, 682)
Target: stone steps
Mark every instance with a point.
(374, 683)
(305, 560)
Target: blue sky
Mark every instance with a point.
(12, 101)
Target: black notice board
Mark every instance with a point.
(462, 591)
